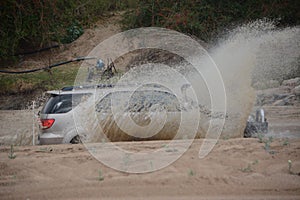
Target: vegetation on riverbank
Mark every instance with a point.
(29, 25)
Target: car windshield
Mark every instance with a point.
(140, 101)
(62, 103)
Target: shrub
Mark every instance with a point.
(206, 18)
(30, 24)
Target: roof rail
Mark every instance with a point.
(70, 88)
(67, 88)
(105, 85)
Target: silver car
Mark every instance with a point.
(57, 116)
(57, 123)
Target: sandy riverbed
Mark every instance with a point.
(235, 169)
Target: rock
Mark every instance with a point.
(289, 100)
(292, 82)
(271, 95)
(296, 90)
(259, 85)
(272, 91)
(273, 84)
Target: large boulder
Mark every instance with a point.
(287, 101)
(292, 82)
(271, 95)
(296, 92)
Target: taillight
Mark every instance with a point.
(47, 123)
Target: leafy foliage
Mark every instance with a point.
(205, 18)
(73, 32)
(30, 24)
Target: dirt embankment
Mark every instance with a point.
(21, 94)
(81, 47)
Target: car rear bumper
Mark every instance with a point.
(49, 138)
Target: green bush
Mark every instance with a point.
(206, 18)
(73, 32)
(29, 24)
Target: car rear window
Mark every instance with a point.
(140, 101)
(62, 103)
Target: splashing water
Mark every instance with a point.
(250, 52)
(191, 99)
(257, 48)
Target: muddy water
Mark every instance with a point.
(254, 46)
(249, 50)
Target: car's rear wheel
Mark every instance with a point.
(76, 140)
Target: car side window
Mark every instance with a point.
(141, 101)
(62, 103)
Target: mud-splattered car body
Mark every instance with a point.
(62, 111)
(76, 113)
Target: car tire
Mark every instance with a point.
(76, 140)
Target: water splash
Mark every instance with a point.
(253, 51)
(244, 54)
(201, 108)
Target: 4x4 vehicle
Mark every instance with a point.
(57, 122)
(57, 116)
